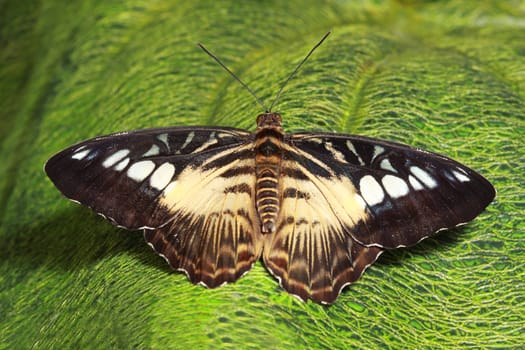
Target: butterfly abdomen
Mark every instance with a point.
(268, 155)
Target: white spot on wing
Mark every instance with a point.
(360, 201)
(386, 165)
(377, 151)
(423, 176)
(141, 170)
(458, 169)
(188, 140)
(352, 149)
(153, 151)
(460, 176)
(395, 186)
(115, 157)
(122, 164)
(371, 190)
(162, 176)
(415, 184)
(164, 139)
(80, 155)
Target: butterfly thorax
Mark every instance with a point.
(268, 154)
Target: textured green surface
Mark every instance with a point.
(448, 76)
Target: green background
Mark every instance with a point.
(447, 76)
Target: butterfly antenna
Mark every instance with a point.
(297, 68)
(233, 75)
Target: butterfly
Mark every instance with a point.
(319, 208)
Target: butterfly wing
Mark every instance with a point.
(311, 253)
(399, 194)
(124, 176)
(346, 198)
(215, 233)
(192, 190)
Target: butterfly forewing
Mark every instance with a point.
(126, 176)
(396, 195)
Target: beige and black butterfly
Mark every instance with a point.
(318, 207)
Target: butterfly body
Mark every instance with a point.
(269, 138)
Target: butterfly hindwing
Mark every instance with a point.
(311, 253)
(125, 176)
(405, 194)
(215, 232)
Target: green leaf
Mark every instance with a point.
(447, 76)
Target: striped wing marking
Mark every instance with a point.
(311, 253)
(124, 176)
(214, 236)
(407, 193)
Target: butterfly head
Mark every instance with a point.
(269, 120)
